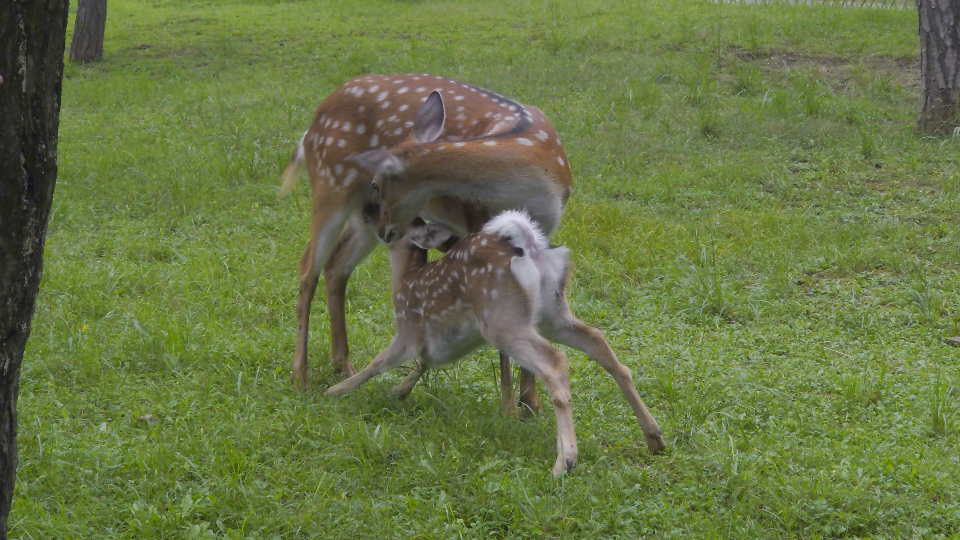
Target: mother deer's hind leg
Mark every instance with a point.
(324, 231)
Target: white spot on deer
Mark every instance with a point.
(351, 174)
(346, 126)
(487, 114)
(462, 289)
(361, 108)
(383, 95)
(338, 168)
(408, 124)
(420, 90)
(341, 143)
(560, 160)
(416, 78)
(336, 124)
(483, 242)
(459, 144)
(373, 88)
(460, 108)
(374, 140)
(490, 143)
(327, 123)
(513, 107)
(329, 141)
(558, 141)
(542, 135)
(422, 99)
(450, 91)
(525, 142)
(509, 118)
(380, 122)
(403, 90)
(392, 119)
(493, 294)
(403, 107)
(398, 81)
(385, 104)
(361, 128)
(458, 98)
(489, 267)
(398, 131)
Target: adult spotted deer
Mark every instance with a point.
(448, 151)
(502, 286)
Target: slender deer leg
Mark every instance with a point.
(395, 354)
(403, 389)
(507, 399)
(572, 332)
(356, 242)
(326, 229)
(535, 354)
(529, 399)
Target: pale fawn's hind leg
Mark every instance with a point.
(572, 332)
(325, 230)
(395, 354)
(539, 357)
(356, 242)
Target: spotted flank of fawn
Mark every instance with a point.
(505, 287)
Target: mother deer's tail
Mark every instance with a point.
(292, 173)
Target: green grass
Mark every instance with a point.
(763, 236)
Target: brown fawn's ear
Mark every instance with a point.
(429, 122)
(428, 235)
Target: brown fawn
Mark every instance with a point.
(503, 286)
(457, 164)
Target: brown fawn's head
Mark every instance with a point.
(400, 202)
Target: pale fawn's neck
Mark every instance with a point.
(406, 260)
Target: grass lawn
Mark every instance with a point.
(756, 225)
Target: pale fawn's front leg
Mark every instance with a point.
(394, 355)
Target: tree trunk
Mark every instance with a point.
(32, 39)
(939, 64)
(88, 29)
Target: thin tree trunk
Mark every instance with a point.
(32, 39)
(939, 64)
(88, 29)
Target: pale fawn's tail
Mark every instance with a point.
(291, 175)
(537, 267)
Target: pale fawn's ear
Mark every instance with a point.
(379, 162)
(428, 235)
(429, 122)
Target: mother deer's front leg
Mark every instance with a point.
(357, 241)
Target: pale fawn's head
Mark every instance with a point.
(400, 200)
(411, 250)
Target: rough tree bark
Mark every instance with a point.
(88, 29)
(939, 64)
(32, 39)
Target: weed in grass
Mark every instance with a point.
(942, 395)
(868, 143)
(704, 284)
(692, 402)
